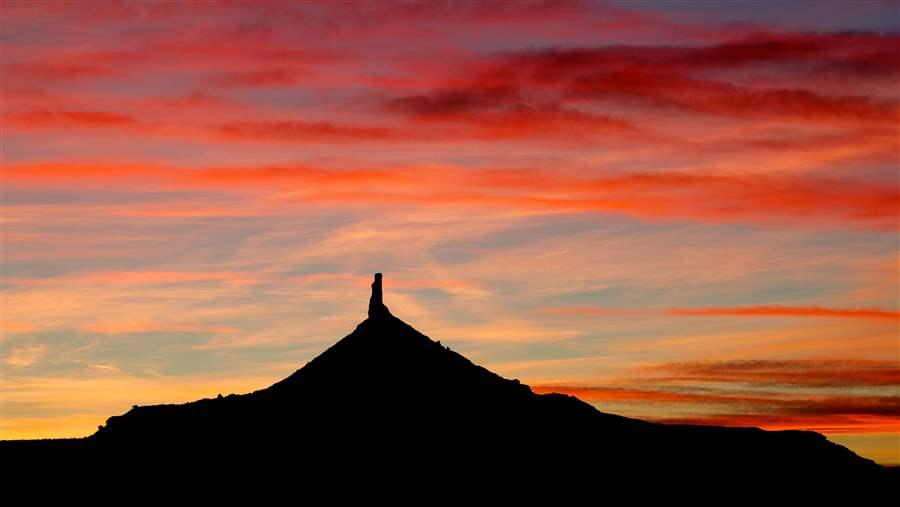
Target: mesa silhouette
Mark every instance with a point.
(387, 399)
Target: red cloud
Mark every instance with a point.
(101, 175)
(310, 177)
(53, 71)
(725, 99)
(303, 131)
(258, 78)
(531, 122)
(448, 102)
(91, 119)
(814, 373)
(673, 78)
(656, 196)
(810, 51)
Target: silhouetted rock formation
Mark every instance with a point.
(376, 303)
(389, 404)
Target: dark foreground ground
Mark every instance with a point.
(388, 408)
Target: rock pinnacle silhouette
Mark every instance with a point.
(376, 303)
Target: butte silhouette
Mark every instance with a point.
(389, 404)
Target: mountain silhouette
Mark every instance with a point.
(386, 401)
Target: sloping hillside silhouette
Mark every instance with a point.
(387, 399)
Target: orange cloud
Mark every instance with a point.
(16, 327)
(103, 174)
(24, 355)
(657, 196)
(744, 311)
(827, 423)
(877, 405)
(273, 177)
(788, 311)
(618, 394)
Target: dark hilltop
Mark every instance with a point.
(388, 403)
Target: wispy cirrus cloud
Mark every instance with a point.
(669, 79)
(770, 393)
(259, 78)
(24, 355)
(747, 311)
(831, 420)
(137, 326)
(18, 327)
(656, 196)
(304, 131)
(89, 119)
(135, 278)
(812, 372)
(50, 70)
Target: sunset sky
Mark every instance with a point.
(680, 211)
